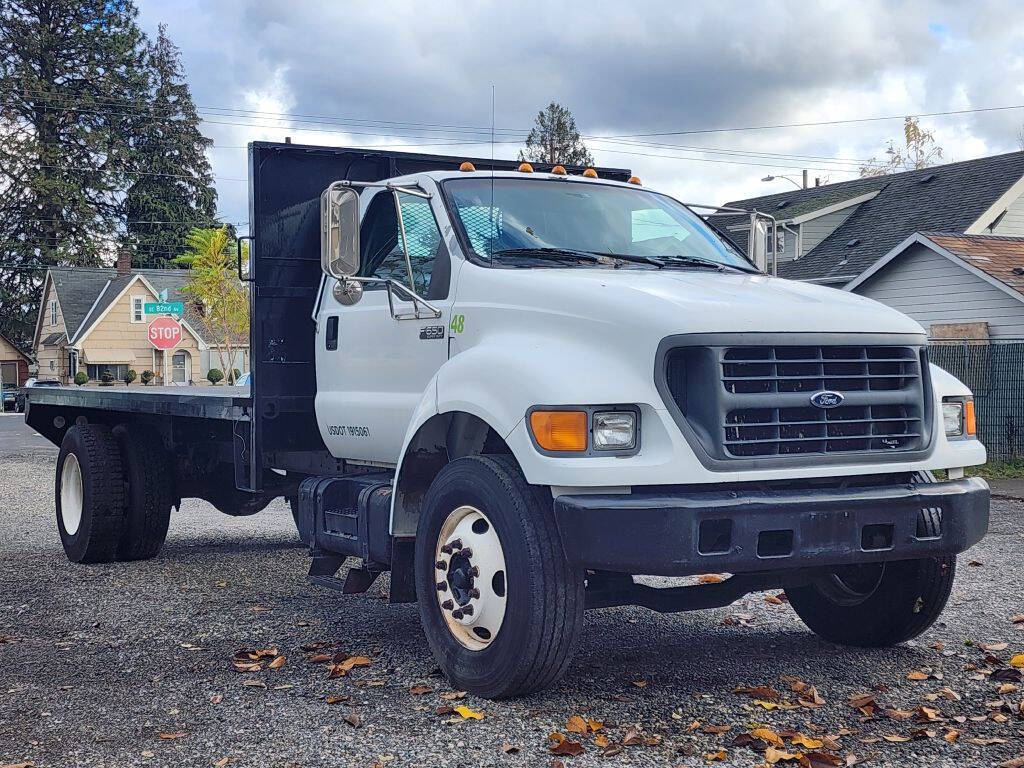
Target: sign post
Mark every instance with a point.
(165, 333)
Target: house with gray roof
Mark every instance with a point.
(833, 233)
(94, 321)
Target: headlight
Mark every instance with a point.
(614, 431)
(953, 418)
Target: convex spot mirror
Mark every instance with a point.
(339, 232)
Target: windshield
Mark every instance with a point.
(530, 216)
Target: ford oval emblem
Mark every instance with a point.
(827, 399)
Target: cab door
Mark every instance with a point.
(373, 368)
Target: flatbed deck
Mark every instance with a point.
(229, 403)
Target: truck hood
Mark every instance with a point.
(685, 301)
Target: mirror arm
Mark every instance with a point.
(401, 231)
(392, 285)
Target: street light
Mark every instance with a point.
(787, 178)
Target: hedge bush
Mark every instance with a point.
(214, 375)
(81, 378)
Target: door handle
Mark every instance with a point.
(331, 335)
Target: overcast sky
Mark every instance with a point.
(418, 75)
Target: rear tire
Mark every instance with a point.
(90, 494)
(535, 607)
(882, 604)
(147, 467)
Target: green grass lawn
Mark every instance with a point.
(999, 470)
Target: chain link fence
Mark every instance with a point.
(995, 374)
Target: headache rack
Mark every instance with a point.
(792, 402)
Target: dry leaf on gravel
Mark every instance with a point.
(1018, 619)
(222, 762)
(988, 742)
(640, 683)
(216, 698)
(277, 663)
(714, 729)
(419, 690)
(468, 714)
(993, 647)
(716, 756)
(917, 675)
(773, 756)
(354, 720)
(768, 736)
(576, 724)
(951, 735)
(760, 692)
(563, 746)
(509, 749)
(806, 742)
(895, 738)
(172, 735)
(336, 699)
(343, 667)
(819, 760)
(1017, 661)
(1017, 762)
(710, 578)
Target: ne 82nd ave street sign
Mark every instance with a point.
(165, 308)
(164, 333)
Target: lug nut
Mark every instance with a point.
(467, 610)
(447, 605)
(467, 552)
(456, 544)
(441, 565)
(474, 592)
(447, 549)
(457, 613)
(442, 586)
(474, 571)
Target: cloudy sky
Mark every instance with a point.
(418, 75)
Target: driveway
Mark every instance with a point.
(132, 664)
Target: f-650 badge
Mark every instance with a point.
(432, 332)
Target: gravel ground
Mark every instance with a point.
(96, 662)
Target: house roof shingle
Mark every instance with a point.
(950, 201)
(996, 256)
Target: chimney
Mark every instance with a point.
(805, 178)
(124, 261)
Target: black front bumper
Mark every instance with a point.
(745, 531)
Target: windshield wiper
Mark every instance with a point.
(697, 261)
(633, 258)
(550, 254)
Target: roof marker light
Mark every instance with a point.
(525, 168)
(467, 166)
(635, 180)
(559, 170)
(590, 173)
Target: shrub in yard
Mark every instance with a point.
(214, 375)
(147, 376)
(81, 378)
(235, 373)
(130, 376)
(106, 378)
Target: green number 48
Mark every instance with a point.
(458, 324)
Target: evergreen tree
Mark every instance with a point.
(554, 139)
(71, 76)
(175, 193)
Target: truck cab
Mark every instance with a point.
(518, 388)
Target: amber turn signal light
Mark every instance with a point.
(560, 430)
(970, 425)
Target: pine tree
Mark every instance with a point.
(175, 192)
(70, 76)
(554, 139)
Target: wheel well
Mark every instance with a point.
(439, 440)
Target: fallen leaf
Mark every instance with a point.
(975, 563)
(595, 725)
(716, 728)
(1006, 688)
(222, 762)
(509, 749)
(928, 714)
(419, 690)
(254, 684)
(773, 600)
(760, 692)
(468, 714)
(986, 742)
(277, 663)
(773, 756)
(1017, 661)
(144, 753)
(576, 724)
(453, 695)
(806, 742)
(716, 756)
(810, 698)
(173, 735)
(640, 683)
(768, 736)
(342, 668)
(336, 699)
(710, 578)
(917, 675)
(216, 698)
(993, 647)
(354, 720)
(564, 746)
(895, 738)
(1018, 619)
(820, 760)
(601, 741)
(898, 714)
(1017, 762)
(951, 735)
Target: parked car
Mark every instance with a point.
(244, 380)
(19, 397)
(8, 394)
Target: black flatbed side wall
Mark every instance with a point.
(285, 184)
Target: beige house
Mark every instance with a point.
(13, 363)
(94, 321)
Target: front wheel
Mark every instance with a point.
(500, 605)
(878, 604)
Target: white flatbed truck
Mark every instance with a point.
(516, 389)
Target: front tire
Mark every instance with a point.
(880, 604)
(90, 494)
(491, 540)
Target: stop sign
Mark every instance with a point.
(164, 333)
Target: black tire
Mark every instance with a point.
(896, 602)
(96, 536)
(544, 595)
(150, 476)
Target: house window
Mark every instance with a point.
(138, 315)
(53, 311)
(95, 371)
(53, 365)
(181, 367)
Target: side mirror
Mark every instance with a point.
(339, 232)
